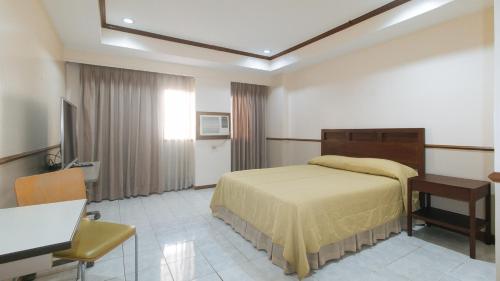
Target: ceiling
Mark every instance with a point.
(250, 26)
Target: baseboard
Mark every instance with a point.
(481, 236)
(196, 187)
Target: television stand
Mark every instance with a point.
(90, 170)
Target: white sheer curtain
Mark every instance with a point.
(178, 110)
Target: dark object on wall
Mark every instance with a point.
(54, 161)
(69, 139)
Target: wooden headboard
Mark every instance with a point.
(405, 146)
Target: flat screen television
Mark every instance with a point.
(69, 141)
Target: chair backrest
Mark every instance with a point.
(51, 187)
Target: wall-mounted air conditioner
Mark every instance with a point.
(213, 125)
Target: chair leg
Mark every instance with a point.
(136, 258)
(78, 268)
(82, 271)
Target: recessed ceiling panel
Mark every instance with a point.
(251, 26)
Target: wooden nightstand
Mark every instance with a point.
(454, 188)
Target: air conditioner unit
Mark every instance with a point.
(213, 125)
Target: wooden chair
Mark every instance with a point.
(93, 239)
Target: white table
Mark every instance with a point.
(29, 235)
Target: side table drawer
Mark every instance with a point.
(441, 190)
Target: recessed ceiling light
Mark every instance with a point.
(267, 51)
(128, 20)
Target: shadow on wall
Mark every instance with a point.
(24, 128)
(452, 37)
(24, 124)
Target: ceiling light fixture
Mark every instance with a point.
(128, 20)
(267, 51)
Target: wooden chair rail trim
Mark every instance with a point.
(294, 139)
(21, 155)
(460, 147)
(436, 146)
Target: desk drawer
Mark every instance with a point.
(25, 266)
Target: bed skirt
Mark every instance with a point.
(326, 253)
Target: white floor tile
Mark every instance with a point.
(170, 238)
(425, 264)
(474, 270)
(147, 244)
(180, 240)
(152, 273)
(222, 257)
(108, 269)
(190, 268)
(146, 260)
(385, 275)
(237, 273)
(210, 277)
(180, 251)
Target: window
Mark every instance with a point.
(178, 115)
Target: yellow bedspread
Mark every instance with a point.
(305, 207)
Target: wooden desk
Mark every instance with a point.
(31, 234)
(458, 189)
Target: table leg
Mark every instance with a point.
(487, 216)
(472, 226)
(409, 209)
(428, 205)
(422, 199)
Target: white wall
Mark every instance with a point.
(31, 84)
(440, 78)
(497, 119)
(213, 93)
(213, 157)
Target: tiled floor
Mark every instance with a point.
(180, 240)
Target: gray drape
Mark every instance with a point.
(248, 142)
(123, 125)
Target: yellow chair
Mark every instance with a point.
(93, 239)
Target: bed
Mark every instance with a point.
(306, 215)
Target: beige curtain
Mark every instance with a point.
(123, 128)
(248, 142)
